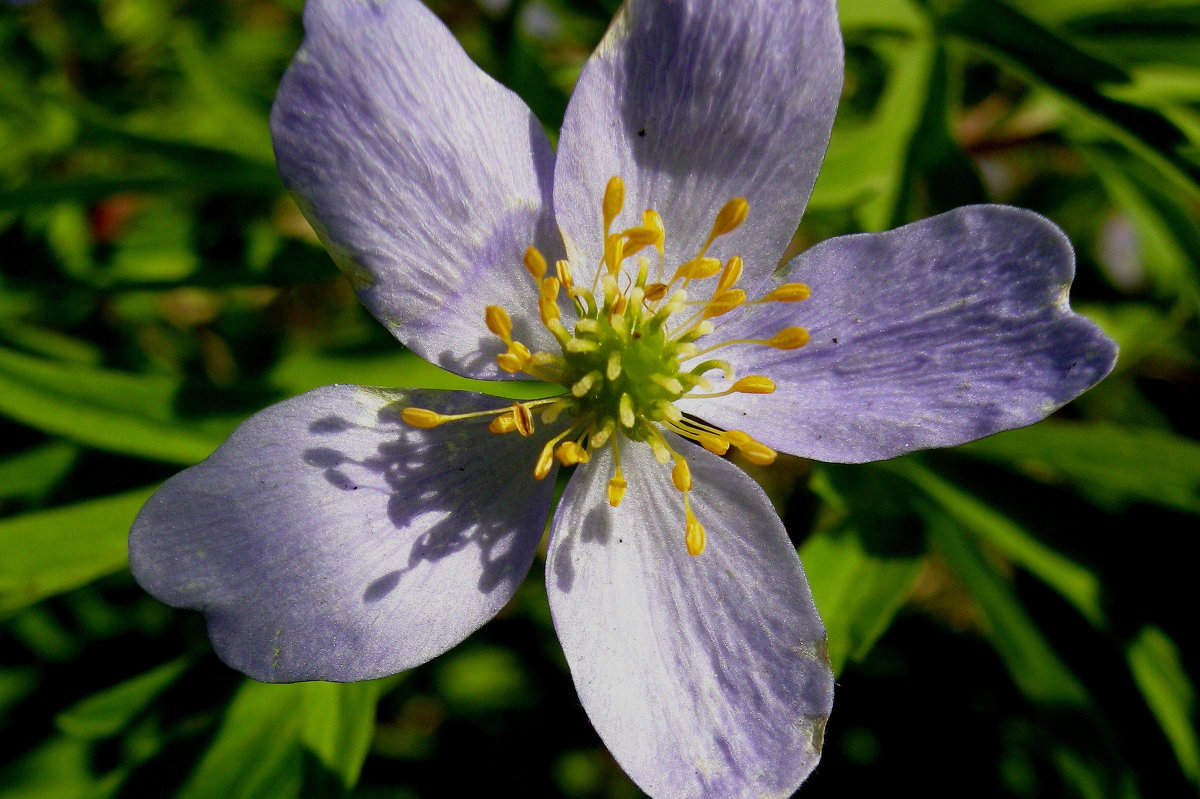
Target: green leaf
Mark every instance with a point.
(279, 741)
(1076, 584)
(114, 411)
(1168, 241)
(51, 551)
(862, 564)
(857, 592)
(1111, 465)
(1032, 663)
(1046, 59)
(107, 713)
(300, 372)
(33, 473)
(866, 163)
(1160, 675)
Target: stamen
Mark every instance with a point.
(698, 269)
(499, 322)
(694, 536)
(614, 201)
(752, 384)
(423, 418)
(613, 370)
(787, 292)
(625, 411)
(504, 423)
(584, 384)
(730, 217)
(730, 276)
(569, 453)
(535, 263)
(681, 475)
(617, 484)
(522, 419)
(790, 338)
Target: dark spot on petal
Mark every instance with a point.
(835, 341)
(642, 132)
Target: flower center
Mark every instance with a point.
(631, 353)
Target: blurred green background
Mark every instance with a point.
(1015, 618)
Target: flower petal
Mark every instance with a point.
(696, 102)
(705, 676)
(426, 179)
(326, 539)
(931, 335)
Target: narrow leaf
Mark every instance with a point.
(51, 551)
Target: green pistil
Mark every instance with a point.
(611, 356)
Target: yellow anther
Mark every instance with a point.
(724, 302)
(614, 200)
(625, 411)
(616, 489)
(420, 417)
(758, 453)
(712, 443)
(731, 275)
(535, 262)
(619, 306)
(563, 270)
(694, 537)
(655, 292)
(652, 221)
(569, 453)
(699, 268)
(498, 321)
(522, 419)
(731, 215)
(548, 300)
(638, 237)
(614, 253)
(584, 384)
(789, 338)
(516, 359)
(681, 475)
(754, 451)
(510, 362)
(544, 462)
(613, 369)
(788, 292)
(504, 423)
(753, 384)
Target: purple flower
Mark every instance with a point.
(354, 532)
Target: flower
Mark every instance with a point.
(354, 532)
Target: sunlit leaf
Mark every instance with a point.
(1111, 465)
(1076, 584)
(300, 372)
(1049, 60)
(51, 551)
(34, 472)
(279, 741)
(857, 592)
(115, 411)
(1159, 673)
(105, 714)
(1032, 663)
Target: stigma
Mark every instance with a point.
(638, 343)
